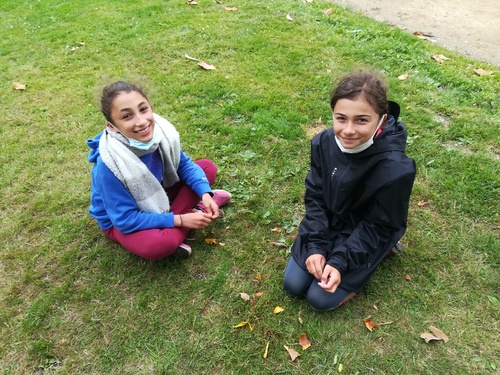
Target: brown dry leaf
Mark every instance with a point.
(258, 277)
(266, 351)
(482, 72)
(429, 337)
(422, 203)
(402, 77)
(229, 9)
(439, 58)
(370, 324)
(258, 294)
(328, 12)
(304, 341)
(385, 323)
(211, 241)
(289, 18)
(293, 353)
(438, 333)
(242, 324)
(245, 296)
(278, 309)
(18, 86)
(422, 33)
(206, 66)
(408, 277)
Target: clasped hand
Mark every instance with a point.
(328, 276)
(197, 219)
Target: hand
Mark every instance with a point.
(196, 220)
(210, 206)
(330, 279)
(315, 265)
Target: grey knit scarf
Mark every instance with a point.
(124, 162)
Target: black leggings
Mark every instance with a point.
(299, 283)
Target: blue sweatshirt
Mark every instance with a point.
(112, 205)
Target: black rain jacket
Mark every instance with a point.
(356, 204)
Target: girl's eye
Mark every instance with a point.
(144, 109)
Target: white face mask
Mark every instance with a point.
(362, 146)
(143, 146)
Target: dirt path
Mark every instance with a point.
(471, 28)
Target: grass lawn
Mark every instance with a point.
(72, 302)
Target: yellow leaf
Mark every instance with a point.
(293, 353)
(242, 324)
(266, 351)
(278, 309)
(18, 86)
(304, 341)
(279, 230)
(206, 66)
(341, 367)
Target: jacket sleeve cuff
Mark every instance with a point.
(338, 263)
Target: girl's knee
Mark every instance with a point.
(294, 288)
(209, 168)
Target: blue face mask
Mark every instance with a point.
(143, 146)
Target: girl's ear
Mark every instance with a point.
(111, 127)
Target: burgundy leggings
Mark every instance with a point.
(157, 244)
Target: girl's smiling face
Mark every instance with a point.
(133, 116)
(354, 121)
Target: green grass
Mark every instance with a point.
(72, 302)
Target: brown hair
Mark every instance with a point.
(362, 84)
(111, 91)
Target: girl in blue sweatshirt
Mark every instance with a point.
(146, 192)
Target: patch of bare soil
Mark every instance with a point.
(471, 28)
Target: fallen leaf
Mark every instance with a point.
(328, 12)
(190, 58)
(279, 244)
(242, 324)
(408, 277)
(438, 333)
(304, 341)
(341, 367)
(422, 33)
(245, 296)
(422, 203)
(258, 294)
(370, 324)
(375, 307)
(429, 337)
(279, 230)
(384, 323)
(408, 107)
(289, 18)
(266, 351)
(293, 353)
(278, 309)
(439, 58)
(308, 1)
(211, 241)
(230, 9)
(482, 72)
(335, 359)
(402, 77)
(191, 2)
(206, 66)
(301, 321)
(222, 244)
(18, 86)
(258, 277)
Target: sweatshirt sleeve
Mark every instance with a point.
(313, 229)
(193, 175)
(121, 207)
(386, 214)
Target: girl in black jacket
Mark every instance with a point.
(357, 195)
